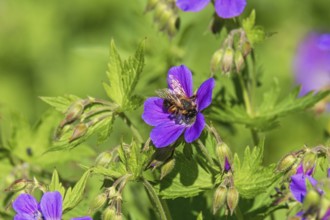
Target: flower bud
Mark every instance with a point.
(222, 151)
(239, 61)
(78, 131)
(73, 113)
(309, 161)
(160, 8)
(103, 159)
(109, 213)
(232, 199)
(112, 192)
(311, 200)
(151, 4)
(98, 202)
(167, 168)
(286, 163)
(173, 25)
(18, 185)
(164, 19)
(227, 60)
(246, 48)
(216, 60)
(118, 217)
(219, 198)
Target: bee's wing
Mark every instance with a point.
(166, 94)
(177, 88)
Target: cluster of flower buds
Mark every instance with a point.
(26, 185)
(165, 15)
(226, 195)
(111, 198)
(81, 115)
(307, 157)
(230, 57)
(105, 158)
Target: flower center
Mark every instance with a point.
(183, 110)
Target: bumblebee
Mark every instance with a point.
(178, 104)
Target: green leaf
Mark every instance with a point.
(271, 109)
(123, 77)
(74, 195)
(60, 103)
(187, 179)
(250, 176)
(55, 184)
(255, 34)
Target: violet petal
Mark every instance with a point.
(193, 132)
(154, 113)
(82, 218)
(180, 77)
(298, 187)
(166, 133)
(51, 205)
(229, 8)
(312, 63)
(25, 204)
(24, 217)
(192, 5)
(204, 94)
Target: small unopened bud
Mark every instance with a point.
(167, 168)
(18, 185)
(227, 60)
(109, 213)
(219, 198)
(160, 8)
(216, 60)
(286, 163)
(232, 199)
(222, 151)
(98, 202)
(309, 161)
(165, 18)
(151, 4)
(311, 200)
(246, 48)
(103, 159)
(78, 131)
(73, 113)
(118, 217)
(111, 192)
(239, 61)
(173, 25)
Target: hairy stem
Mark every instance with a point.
(161, 206)
(135, 131)
(205, 152)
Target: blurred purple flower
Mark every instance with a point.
(50, 207)
(224, 8)
(178, 110)
(298, 185)
(298, 188)
(312, 63)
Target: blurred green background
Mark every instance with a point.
(52, 48)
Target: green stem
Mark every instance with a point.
(161, 206)
(205, 152)
(249, 108)
(135, 131)
(238, 213)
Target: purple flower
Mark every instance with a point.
(50, 207)
(224, 8)
(312, 63)
(298, 185)
(178, 110)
